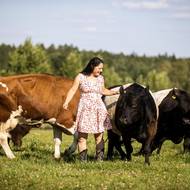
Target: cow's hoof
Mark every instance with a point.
(124, 158)
(67, 152)
(57, 156)
(129, 158)
(147, 163)
(11, 157)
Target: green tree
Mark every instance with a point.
(72, 65)
(111, 77)
(4, 57)
(29, 58)
(179, 74)
(157, 81)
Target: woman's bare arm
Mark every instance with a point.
(108, 92)
(71, 92)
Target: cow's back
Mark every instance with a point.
(40, 95)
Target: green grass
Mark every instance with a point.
(35, 168)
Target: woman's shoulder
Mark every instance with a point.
(101, 78)
(80, 76)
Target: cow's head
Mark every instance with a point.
(130, 105)
(18, 133)
(176, 99)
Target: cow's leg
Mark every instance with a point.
(57, 133)
(114, 141)
(157, 144)
(148, 142)
(117, 145)
(147, 150)
(111, 140)
(72, 148)
(128, 147)
(160, 146)
(120, 150)
(5, 145)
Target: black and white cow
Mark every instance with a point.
(136, 117)
(174, 117)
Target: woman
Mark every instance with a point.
(92, 116)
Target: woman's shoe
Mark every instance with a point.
(83, 156)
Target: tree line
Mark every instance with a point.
(158, 72)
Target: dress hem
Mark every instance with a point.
(90, 132)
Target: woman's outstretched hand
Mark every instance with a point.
(115, 92)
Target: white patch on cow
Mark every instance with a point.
(157, 109)
(12, 121)
(5, 127)
(58, 138)
(68, 131)
(51, 120)
(57, 133)
(4, 86)
(57, 153)
(4, 143)
(160, 95)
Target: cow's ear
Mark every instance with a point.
(174, 94)
(169, 103)
(147, 88)
(121, 90)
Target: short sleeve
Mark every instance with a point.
(81, 76)
(101, 78)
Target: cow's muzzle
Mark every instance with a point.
(123, 120)
(186, 121)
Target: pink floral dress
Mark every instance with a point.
(92, 115)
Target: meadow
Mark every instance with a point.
(35, 168)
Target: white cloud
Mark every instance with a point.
(142, 4)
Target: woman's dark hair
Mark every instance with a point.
(95, 61)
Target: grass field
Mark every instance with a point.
(35, 168)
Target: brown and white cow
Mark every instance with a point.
(32, 99)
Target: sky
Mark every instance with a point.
(149, 27)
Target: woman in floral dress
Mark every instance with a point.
(92, 116)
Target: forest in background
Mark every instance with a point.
(158, 72)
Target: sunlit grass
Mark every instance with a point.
(35, 168)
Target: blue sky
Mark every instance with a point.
(148, 27)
